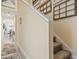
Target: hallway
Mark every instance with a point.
(8, 48)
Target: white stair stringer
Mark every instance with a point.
(65, 46)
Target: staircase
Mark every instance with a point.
(59, 52)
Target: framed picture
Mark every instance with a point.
(65, 9)
(59, 1)
(45, 6)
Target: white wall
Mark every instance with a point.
(66, 29)
(29, 1)
(33, 33)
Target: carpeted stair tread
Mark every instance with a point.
(57, 47)
(57, 44)
(62, 55)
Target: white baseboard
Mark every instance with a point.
(65, 46)
(22, 53)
